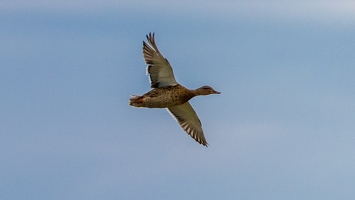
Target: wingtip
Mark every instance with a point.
(150, 35)
(203, 142)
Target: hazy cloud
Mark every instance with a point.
(304, 10)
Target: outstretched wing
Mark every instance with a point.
(159, 69)
(188, 120)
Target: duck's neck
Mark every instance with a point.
(196, 92)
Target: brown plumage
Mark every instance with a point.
(167, 93)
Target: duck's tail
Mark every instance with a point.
(136, 101)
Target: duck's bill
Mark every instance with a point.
(216, 92)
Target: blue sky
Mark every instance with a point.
(283, 127)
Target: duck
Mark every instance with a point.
(167, 93)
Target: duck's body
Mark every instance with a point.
(163, 97)
(167, 93)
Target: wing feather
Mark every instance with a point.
(189, 121)
(159, 69)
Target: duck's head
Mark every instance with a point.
(206, 90)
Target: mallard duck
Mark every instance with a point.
(167, 93)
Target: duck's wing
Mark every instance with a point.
(188, 120)
(159, 69)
